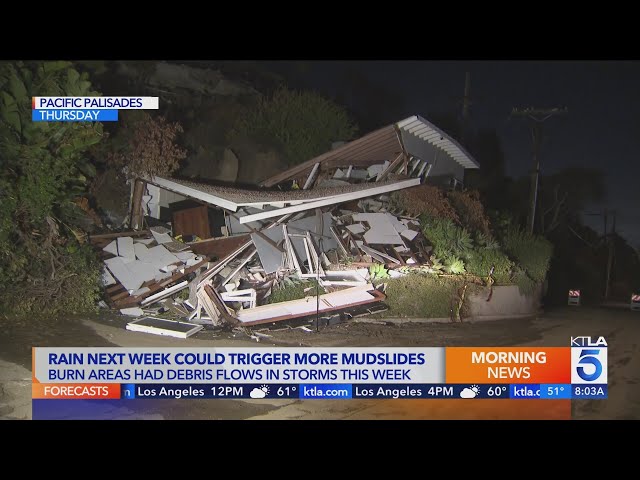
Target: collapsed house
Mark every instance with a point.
(324, 222)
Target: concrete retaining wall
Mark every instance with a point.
(506, 301)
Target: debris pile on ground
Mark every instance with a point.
(305, 267)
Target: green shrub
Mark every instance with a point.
(448, 239)
(454, 265)
(301, 125)
(421, 296)
(293, 290)
(74, 289)
(423, 200)
(480, 261)
(526, 285)
(531, 252)
(470, 211)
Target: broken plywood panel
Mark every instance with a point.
(409, 234)
(161, 235)
(125, 248)
(111, 248)
(396, 222)
(161, 257)
(270, 257)
(107, 278)
(356, 228)
(142, 252)
(382, 230)
(130, 280)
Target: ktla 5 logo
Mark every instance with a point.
(588, 360)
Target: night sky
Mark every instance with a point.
(601, 129)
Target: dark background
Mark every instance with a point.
(600, 130)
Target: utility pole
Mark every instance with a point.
(609, 242)
(466, 103)
(537, 116)
(611, 246)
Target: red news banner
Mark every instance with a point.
(544, 365)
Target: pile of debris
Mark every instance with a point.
(142, 268)
(329, 255)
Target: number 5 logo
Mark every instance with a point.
(589, 357)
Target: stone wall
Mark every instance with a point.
(506, 301)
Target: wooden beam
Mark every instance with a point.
(220, 306)
(137, 214)
(392, 166)
(218, 247)
(106, 236)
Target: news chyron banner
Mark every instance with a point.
(87, 109)
(98, 382)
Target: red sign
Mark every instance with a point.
(574, 293)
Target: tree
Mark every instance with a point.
(146, 146)
(43, 266)
(564, 194)
(301, 125)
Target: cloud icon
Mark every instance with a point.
(470, 392)
(259, 392)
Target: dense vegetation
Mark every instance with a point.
(44, 265)
(466, 250)
(301, 125)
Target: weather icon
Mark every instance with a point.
(471, 392)
(261, 392)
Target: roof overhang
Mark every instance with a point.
(281, 203)
(379, 146)
(428, 132)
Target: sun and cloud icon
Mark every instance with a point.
(470, 392)
(261, 392)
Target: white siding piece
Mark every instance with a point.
(161, 257)
(184, 256)
(409, 234)
(311, 177)
(140, 291)
(130, 280)
(397, 224)
(132, 312)
(161, 237)
(142, 252)
(165, 293)
(107, 278)
(111, 248)
(125, 248)
(144, 241)
(143, 270)
(382, 230)
(376, 169)
(356, 228)
(376, 254)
